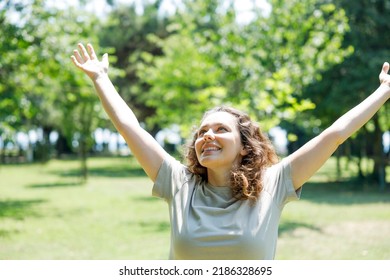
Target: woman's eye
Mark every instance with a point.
(201, 133)
(221, 128)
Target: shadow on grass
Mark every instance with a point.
(344, 193)
(19, 209)
(155, 227)
(8, 233)
(121, 171)
(287, 227)
(54, 185)
(107, 171)
(147, 198)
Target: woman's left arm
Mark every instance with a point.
(310, 157)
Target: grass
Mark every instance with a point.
(337, 219)
(46, 213)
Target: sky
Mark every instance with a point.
(100, 6)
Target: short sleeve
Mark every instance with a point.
(169, 178)
(278, 183)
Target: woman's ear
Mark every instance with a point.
(243, 151)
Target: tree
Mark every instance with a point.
(41, 87)
(349, 82)
(126, 32)
(262, 66)
(14, 107)
(75, 104)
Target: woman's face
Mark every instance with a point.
(218, 144)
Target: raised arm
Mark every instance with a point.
(310, 157)
(144, 147)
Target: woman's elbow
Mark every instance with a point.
(335, 135)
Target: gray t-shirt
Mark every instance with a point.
(208, 223)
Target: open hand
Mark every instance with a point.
(89, 63)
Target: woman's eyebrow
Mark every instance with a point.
(212, 124)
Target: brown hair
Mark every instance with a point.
(246, 179)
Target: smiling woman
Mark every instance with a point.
(227, 201)
(218, 145)
(239, 141)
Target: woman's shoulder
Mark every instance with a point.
(277, 173)
(172, 165)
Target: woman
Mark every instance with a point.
(227, 202)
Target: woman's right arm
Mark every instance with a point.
(144, 147)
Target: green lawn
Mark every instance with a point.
(45, 213)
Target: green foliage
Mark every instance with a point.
(261, 67)
(126, 31)
(11, 42)
(188, 84)
(304, 38)
(347, 83)
(41, 86)
(173, 68)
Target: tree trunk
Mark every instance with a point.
(83, 151)
(362, 147)
(44, 148)
(338, 164)
(85, 141)
(2, 151)
(62, 146)
(378, 173)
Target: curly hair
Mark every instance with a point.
(246, 179)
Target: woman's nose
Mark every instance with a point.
(209, 135)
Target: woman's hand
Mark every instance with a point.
(384, 77)
(89, 63)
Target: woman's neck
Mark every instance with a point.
(218, 178)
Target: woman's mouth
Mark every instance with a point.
(210, 149)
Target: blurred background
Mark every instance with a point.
(294, 65)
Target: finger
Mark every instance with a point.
(84, 51)
(91, 51)
(78, 57)
(75, 62)
(385, 67)
(105, 60)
